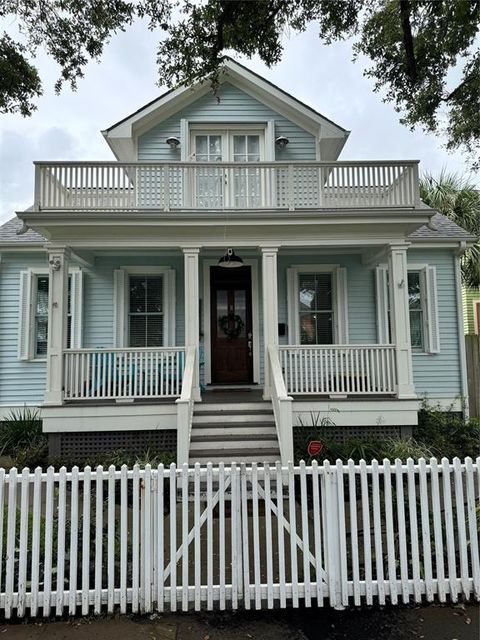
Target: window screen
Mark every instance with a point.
(146, 317)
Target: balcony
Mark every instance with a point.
(187, 186)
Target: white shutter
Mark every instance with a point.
(119, 310)
(76, 301)
(431, 307)
(25, 316)
(184, 140)
(341, 305)
(383, 333)
(292, 305)
(270, 141)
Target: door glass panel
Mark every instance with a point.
(222, 313)
(209, 181)
(247, 183)
(241, 312)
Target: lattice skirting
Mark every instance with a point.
(342, 434)
(83, 445)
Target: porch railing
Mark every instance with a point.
(282, 406)
(220, 185)
(185, 406)
(339, 369)
(101, 374)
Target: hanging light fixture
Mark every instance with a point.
(230, 260)
(173, 142)
(281, 142)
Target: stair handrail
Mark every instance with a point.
(185, 405)
(282, 406)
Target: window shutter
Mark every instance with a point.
(292, 306)
(433, 331)
(76, 301)
(382, 305)
(119, 307)
(25, 316)
(341, 304)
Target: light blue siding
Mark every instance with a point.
(20, 382)
(235, 106)
(360, 293)
(439, 375)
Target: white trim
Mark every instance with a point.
(461, 336)
(207, 340)
(120, 303)
(339, 300)
(476, 316)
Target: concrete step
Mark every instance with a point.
(215, 407)
(206, 430)
(225, 443)
(235, 455)
(231, 418)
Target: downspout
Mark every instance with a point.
(461, 328)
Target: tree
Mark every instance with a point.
(459, 200)
(424, 53)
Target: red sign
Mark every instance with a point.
(314, 447)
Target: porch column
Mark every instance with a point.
(192, 308)
(270, 308)
(58, 259)
(400, 318)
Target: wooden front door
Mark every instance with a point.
(231, 325)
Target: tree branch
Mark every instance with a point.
(408, 40)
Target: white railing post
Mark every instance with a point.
(415, 182)
(185, 407)
(400, 319)
(192, 313)
(58, 259)
(37, 196)
(270, 307)
(282, 405)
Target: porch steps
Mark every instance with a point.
(239, 432)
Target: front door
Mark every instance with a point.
(231, 328)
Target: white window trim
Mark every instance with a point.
(226, 131)
(339, 301)
(169, 302)
(32, 293)
(476, 316)
(422, 268)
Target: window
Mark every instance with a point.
(315, 306)
(33, 312)
(415, 306)
(145, 316)
(422, 305)
(41, 316)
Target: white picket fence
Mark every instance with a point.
(234, 536)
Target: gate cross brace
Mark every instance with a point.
(287, 527)
(196, 528)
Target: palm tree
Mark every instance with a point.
(458, 199)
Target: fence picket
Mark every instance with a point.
(142, 548)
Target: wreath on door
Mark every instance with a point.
(225, 323)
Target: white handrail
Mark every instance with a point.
(185, 405)
(355, 369)
(282, 407)
(224, 185)
(123, 373)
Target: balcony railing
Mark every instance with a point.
(111, 374)
(97, 186)
(339, 369)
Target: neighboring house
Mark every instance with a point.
(117, 320)
(471, 310)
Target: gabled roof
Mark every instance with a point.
(120, 135)
(9, 234)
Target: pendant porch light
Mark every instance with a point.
(230, 260)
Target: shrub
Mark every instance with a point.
(21, 437)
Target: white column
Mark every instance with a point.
(270, 308)
(192, 308)
(58, 259)
(400, 318)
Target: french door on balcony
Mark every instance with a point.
(229, 186)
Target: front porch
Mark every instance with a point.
(103, 388)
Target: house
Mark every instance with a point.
(471, 310)
(226, 279)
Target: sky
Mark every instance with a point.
(67, 127)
